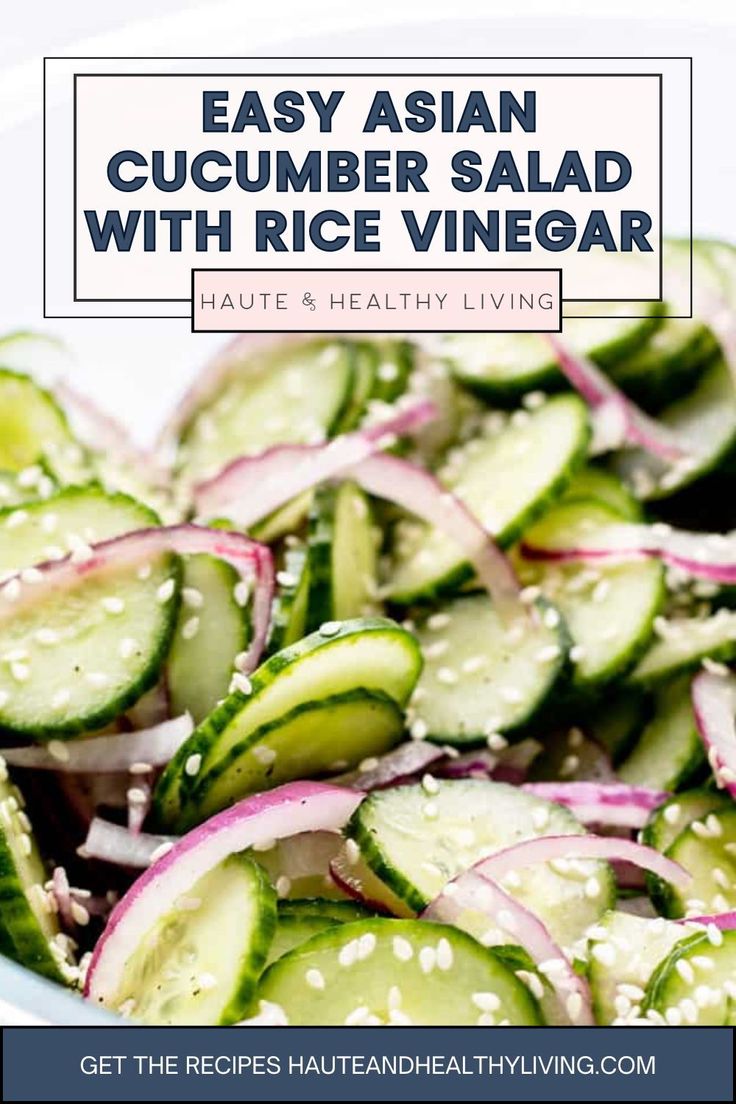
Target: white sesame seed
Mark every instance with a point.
(605, 953)
(160, 851)
(447, 676)
(190, 628)
(540, 817)
(577, 653)
(240, 683)
(445, 956)
(486, 1002)
(192, 598)
(496, 742)
(685, 970)
(438, 621)
(283, 886)
(427, 959)
(315, 979)
(113, 604)
(128, 647)
(330, 628)
(592, 888)
(352, 851)
(60, 699)
(264, 755)
(192, 765)
(419, 729)
(58, 750)
(403, 949)
(366, 945)
(47, 636)
(165, 591)
(671, 813)
(430, 810)
(21, 672)
(348, 954)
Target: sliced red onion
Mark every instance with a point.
(284, 811)
(250, 559)
(419, 492)
(474, 892)
(614, 803)
(714, 705)
(602, 395)
(252, 487)
(704, 555)
(228, 362)
(107, 754)
(104, 433)
(724, 921)
(510, 764)
(114, 843)
(399, 765)
(543, 849)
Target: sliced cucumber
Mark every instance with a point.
(502, 367)
(602, 486)
(32, 424)
(201, 962)
(707, 849)
(340, 911)
(352, 874)
(373, 654)
(416, 842)
(292, 395)
(289, 612)
(617, 724)
(342, 556)
(481, 676)
(299, 866)
(395, 361)
(75, 661)
(396, 972)
(29, 932)
(669, 751)
(292, 931)
(543, 448)
(670, 818)
(684, 644)
(704, 421)
(696, 983)
(623, 953)
(211, 630)
(609, 609)
(312, 739)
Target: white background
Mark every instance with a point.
(137, 368)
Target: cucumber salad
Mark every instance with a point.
(396, 684)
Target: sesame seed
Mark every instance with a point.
(264, 755)
(430, 785)
(547, 654)
(47, 636)
(430, 810)
(403, 949)
(192, 765)
(540, 817)
(18, 517)
(58, 750)
(128, 647)
(569, 765)
(685, 970)
(427, 959)
(192, 598)
(592, 888)
(445, 956)
(673, 1016)
(113, 604)
(137, 796)
(496, 742)
(715, 935)
(283, 886)
(357, 1016)
(605, 953)
(672, 813)
(160, 851)
(330, 628)
(60, 699)
(352, 851)
(348, 954)
(241, 593)
(419, 729)
(31, 575)
(190, 628)
(11, 590)
(80, 915)
(240, 683)
(24, 840)
(511, 695)
(577, 653)
(713, 825)
(366, 945)
(206, 980)
(165, 591)
(447, 676)
(438, 621)
(486, 1002)
(96, 678)
(315, 979)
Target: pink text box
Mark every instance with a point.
(393, 300)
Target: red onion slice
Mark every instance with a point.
(152, 747)
(724, 921)
(399, 765)
(284, 811)
(252, 487)
(704, 555)
(250, 559)
(419, 492)
(544, 849)
(714, 705)
(113, 843)
(611, 803)
(602, 395)
(474, 892)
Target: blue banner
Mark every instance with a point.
(423, 1064)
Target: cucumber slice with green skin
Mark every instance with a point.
(707, 849)
(623, 953)
(704, 421)
(365, 362)
(609, 609)
(299, 866)
(75, 661)
(292, 931)
(669, 751)
(618, 723)
(212, 629)
(396, 972)
(201, 962)
(293, 395)
(670, 818)
(501, 368)
(367, 653)
(604, 487)
(343, 556)
(28, 485)
(395, 361)
(480, 676)
(543, 448)
(352, 875)
(683, 646)
(32, 424)
(339, 911)
(289, 612)
(285, 521)
(313, 739)
(29, 931)
(416, 842)
(696, 983)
